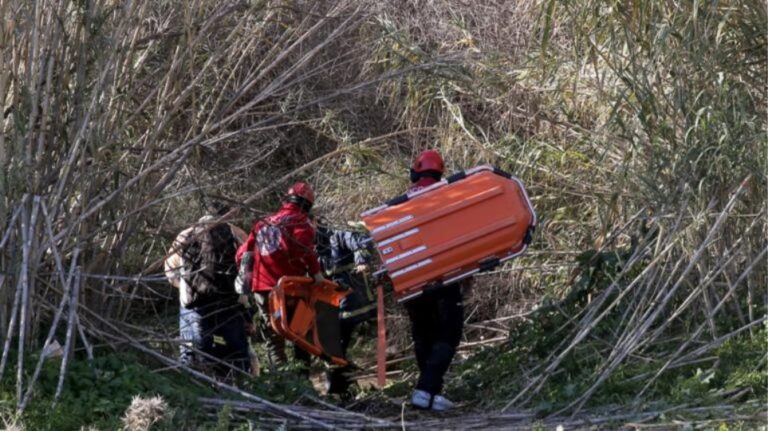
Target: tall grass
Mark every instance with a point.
(640, 129)
(120, 118)
(677, 92)
(636, 126)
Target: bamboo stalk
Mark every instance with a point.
(10, 225)
(289, 411)
(65, 299)
(727, 257)
(69, 343)
(624, 350)
(589, 322)
(84, 339)
(673, 358)
(27, 234)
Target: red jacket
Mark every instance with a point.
(282, 244)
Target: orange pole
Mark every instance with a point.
(381, 351)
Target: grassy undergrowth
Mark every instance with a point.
(735, 371)
(122, 120)
(497, 374)
(97, 393)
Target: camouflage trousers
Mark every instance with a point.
(273, 342)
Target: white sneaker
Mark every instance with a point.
(424, 400)
(421, 399)
(441, 403)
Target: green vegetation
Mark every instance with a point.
(736, 370)
(639, 129)
(97, 394)
(495, 375)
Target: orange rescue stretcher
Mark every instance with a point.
(307, 314)
(470, 222)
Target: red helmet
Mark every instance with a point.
(429, 160)
(303, 190)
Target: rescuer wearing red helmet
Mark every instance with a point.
(437, 316)
(427, 169)
(278, 245)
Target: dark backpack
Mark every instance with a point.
(209, 262)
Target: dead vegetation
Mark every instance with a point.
(144, 412)
(638, 128)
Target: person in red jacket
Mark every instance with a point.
(278, 245)
(437, 316)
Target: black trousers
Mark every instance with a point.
(437, 321)
(360, 299)
(217, 329)
(339, 381)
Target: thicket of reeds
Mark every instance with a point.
(638, 127)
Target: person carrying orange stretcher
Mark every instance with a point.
(278, 245)
(437, 316)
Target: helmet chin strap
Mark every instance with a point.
(416, 176)
(302, 203)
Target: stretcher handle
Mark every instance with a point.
(279, 314)
(381, 347)
(397, 200)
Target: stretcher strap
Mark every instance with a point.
(381, 351)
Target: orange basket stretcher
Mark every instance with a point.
(470, 222)
(307, 314)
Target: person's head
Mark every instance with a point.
(213, 210)
(302, 195)
(428, 163)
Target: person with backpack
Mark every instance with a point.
(212, 319)
(345, 258)
(278, 245)
(437, 316)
